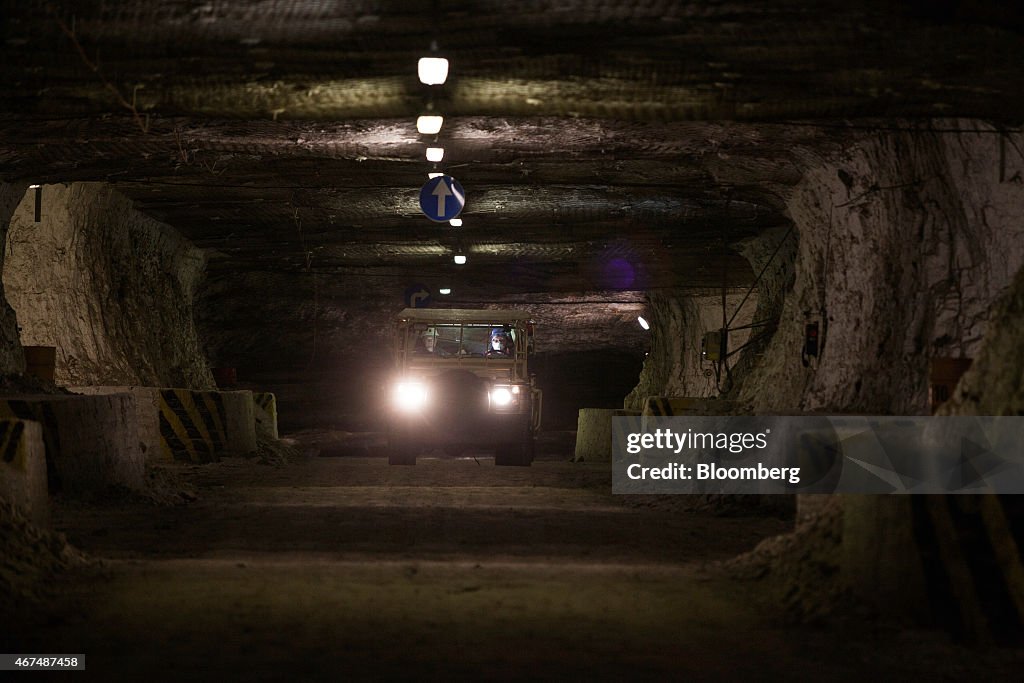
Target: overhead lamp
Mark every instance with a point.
(643, 322)
(456, 222)
(434, 175)
(38, 193)
(433, 70)
(429, 124)
(460, 259)
(435, 154)
(444, 290)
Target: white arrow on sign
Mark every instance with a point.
(441, 191)
(419, 296)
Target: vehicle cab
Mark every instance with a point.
(462, 380)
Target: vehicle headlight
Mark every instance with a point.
(501, 396)
(410, 395)
(505, 397)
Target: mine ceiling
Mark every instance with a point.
(281, 135)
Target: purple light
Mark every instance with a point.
(619, 273)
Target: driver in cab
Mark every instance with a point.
(500, 345)
(426, 344)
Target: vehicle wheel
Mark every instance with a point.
(514, 455)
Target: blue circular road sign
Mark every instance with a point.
(442, 198)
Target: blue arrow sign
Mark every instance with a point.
(417, 296)
(442, 198)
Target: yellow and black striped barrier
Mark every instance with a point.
(972, 562)
(657, 406)
(11, 444)
(36, 411)
(193, 425)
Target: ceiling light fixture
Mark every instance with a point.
(460, 259)
(37, 191)
(433, 70)
(429, 124)
(435, 154)
(643, 322)
(456, 222)
(444, 290)
(431, 176)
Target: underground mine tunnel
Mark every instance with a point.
(216, 216)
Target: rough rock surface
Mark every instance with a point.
(772, 256)
(320, 359)
(799, 571)
(906, 239)
(994, 384)
(109, 287)
(29, 557)
(12, 359)
(674, 366)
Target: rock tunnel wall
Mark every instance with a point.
(674, 366)
(994, 384)
(12, 358)
(110, 288)
(322, 358)
(901, 243)
(905, 241)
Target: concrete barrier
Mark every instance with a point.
(265, 410)
(947, 559)
(200, 426)
(91, 441)
(147, 412)
(662, 406)
(594, 433)
(881, 562)
(241, 422)
(187, 425)
(23, 469)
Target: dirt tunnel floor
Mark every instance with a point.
(334, 568)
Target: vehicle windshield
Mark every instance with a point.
(476, 340)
